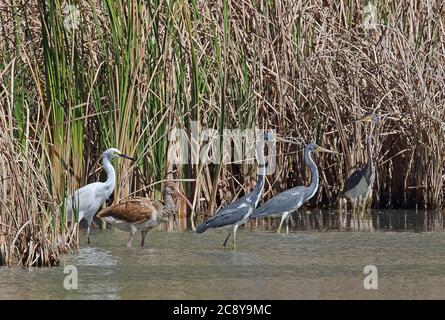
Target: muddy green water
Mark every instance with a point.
(322, 258)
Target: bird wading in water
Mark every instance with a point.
(284, 203)
(143, 214)
(359, 184)
(237, 213)
(87, 200)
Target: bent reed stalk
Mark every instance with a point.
(75, 80)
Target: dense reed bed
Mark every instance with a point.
(78, 77)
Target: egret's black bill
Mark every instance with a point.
(127, 157)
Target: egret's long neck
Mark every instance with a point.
(111, 174)
(314, 171)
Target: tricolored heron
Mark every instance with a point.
(87, 200)
(237, 213)
(284, 203)
(359, 184)
(143, 214)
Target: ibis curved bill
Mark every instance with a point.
(143, 214)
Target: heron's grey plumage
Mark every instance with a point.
(359, 184)
(284, 203)
(237, 213)
(287, 201)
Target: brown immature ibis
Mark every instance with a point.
(143, 214)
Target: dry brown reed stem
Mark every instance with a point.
(29, 226)
(135, 69)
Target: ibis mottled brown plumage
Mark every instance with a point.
(143, 214)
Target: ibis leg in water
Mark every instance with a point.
(143, 214)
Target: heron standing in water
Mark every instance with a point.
(237, 213)
(359, 184)
(87, 200)
(284, 203)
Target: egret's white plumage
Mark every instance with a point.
(87, 200)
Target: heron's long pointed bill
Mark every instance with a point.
(183, 197)
(126, 157)
(321, 149)
(286, 140)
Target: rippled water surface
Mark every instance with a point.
(323, 263)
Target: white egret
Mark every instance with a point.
(87, 200)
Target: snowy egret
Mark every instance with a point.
(87, 200)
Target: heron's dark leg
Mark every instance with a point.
(235, 227)
(89, 221)
(225, 241)
(88, 234)
(357, 205)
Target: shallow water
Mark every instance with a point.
(322, 258)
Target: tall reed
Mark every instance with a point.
(77, 77)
